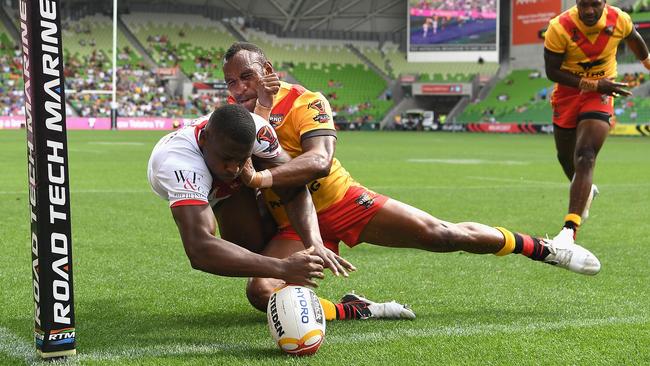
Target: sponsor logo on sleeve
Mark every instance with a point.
(265, 134)
(276, 119)
(190, 179)
(321, 116)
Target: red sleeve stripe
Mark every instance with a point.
(188, 203)
(283, 106)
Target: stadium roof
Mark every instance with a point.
(347, 15)
(294, 15)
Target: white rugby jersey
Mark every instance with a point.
(177, 171)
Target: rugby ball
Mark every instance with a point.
(296, 320)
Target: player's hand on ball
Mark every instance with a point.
(302, 268)
(267, 88)
(613, 88)
(331, 260)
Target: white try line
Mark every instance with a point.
(87, 151)
(484, 329)
(468, 161)
(98, 191)
(559, 184)
(15, 347)
(459, 187)
(520, 180)
(116, 143)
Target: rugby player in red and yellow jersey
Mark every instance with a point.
(346, 210)
(580, 55)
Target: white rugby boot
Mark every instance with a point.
(565, 237)
(379, 310)
(594, 192)
(571, 256)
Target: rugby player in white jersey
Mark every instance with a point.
(197, 170)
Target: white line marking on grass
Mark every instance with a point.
(483, 329)
(115, 143)
(468, 161)
(165, 350)
(460, 187)
(88, 151)
(100, 191)
(15, 347)
(526, 181)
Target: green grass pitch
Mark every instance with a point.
(138, 302)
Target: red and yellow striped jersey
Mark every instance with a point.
(299, 113)
(589, 51)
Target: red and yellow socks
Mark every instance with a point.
(344, 310)
(527, 245)
(328, 308)
(572, 221)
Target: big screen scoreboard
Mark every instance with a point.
(446, 30)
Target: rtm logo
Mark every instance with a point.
(304, 310)
(60, 336)
(274, 316)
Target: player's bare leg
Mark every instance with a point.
(586, 141)
(565, 145)
(590, 137)
(240, 221)
(400, 225)
(352, 306)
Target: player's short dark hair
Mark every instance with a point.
(239, 46)
(234, 122)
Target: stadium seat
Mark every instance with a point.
(195, 42)
(516, 98)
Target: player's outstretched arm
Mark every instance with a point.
(206, 252)
(302, 216)
(553, 65)
(315, 162)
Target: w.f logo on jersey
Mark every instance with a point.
(322, 115)
(265, 134)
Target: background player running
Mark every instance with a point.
(580, 54)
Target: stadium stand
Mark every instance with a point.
(11, 79)
(307, 51)
(140, 90)
(328, 66)
(93, 34)
(372, 51)
(193, 42)
(521, 96)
